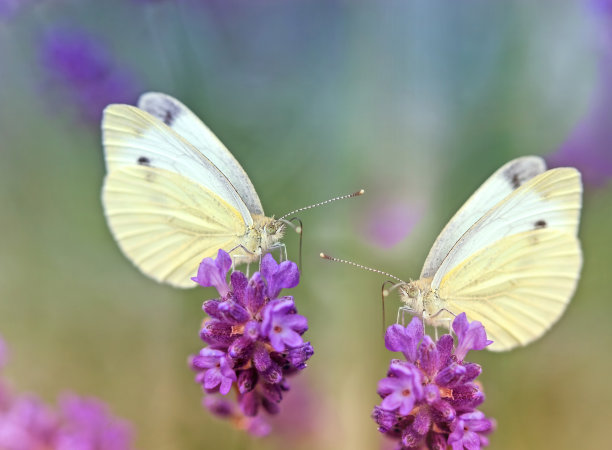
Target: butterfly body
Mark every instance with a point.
(265, 233)
(423, 301)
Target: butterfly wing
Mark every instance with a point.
(165, 223)
(551, 200)
(518, 287)
(185, 123)
(134, 137)
(497, 187)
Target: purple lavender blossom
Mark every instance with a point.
(26, 423)
(430, 400)
(254, 340)
(82, 67)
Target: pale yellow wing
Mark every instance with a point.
(133, 137)
(518, 287)
(185, 123)
(497, 187)
(166, 224)
(550, 200)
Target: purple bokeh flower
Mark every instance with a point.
(588, 146)
(82, 68)
(387, 223)
(26, 423)
(254, 340)
(8, 8)
(430, 400)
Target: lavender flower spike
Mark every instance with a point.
(430, 400)
(255, 340)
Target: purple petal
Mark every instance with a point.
(247, 379)
(254, 297)
(405, 339)
(226, 385)
(214, 272)
(470, 336)
(239, 282)
(428, 356)
(232, 312)
(258, 427)
(279, 276)
(261, 358)
(249, 403)
(218, 406)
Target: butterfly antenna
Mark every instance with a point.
(383, 294)
(300, 230)
(350, 263)
(342, 197)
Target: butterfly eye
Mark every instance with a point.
(271, 228)
(413, 292)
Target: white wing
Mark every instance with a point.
(134, 137)
(551, 200)
(517, 287)
(165, 223)
(497, 187)
(178, 117)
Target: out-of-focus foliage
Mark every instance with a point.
(415, 101)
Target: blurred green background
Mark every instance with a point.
(415, 101)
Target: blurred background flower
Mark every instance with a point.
(417, 102)
(589, 146)
(27, 423)
(82, 69)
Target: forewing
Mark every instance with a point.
(166, 224)
(497, 187)
(518, 287)
(134, 137)
(178, 117)
(551, 200)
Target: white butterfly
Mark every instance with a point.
(509, 258)
(174, 194)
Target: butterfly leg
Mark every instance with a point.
(235, 258)
(403, 310)
(448, 320)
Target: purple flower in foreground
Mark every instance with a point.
(83, 68)
(430, 400)
(26, 423)
(254, 340)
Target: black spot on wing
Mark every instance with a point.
(540, 224)
(520, 172)
(144, 161)
(169, 117)
(163, 108)
(515, 181)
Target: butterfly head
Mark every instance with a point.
(412, 295)
(267, 231)
(418, 295)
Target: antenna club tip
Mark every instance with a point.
(385, 293)
(298, 230)
(323, 255)
(361, 192)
